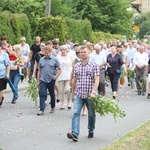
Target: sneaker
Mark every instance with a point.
(52, 110)
(139, 93)
(72, 137)
(91, 135)
(40, 113)
(13, 101)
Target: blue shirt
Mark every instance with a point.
(48, 68)
(4, 62)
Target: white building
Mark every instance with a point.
(142, 5)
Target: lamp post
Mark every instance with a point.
(48, 8)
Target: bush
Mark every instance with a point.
(144, 29)
(21, 27)
(14, 26)
(78, 30)
(52, 27)
(96, 36)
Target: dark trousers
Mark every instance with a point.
(31, 69)
(114, 81)
(43, 93)
(101, 87)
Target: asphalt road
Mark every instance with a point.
(22, 129)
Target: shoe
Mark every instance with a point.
(13, 101)
(62, 108)
(1, 101)
(58, 100)
(40, 113)
(143, 93)
(91, 135)
(69, 108)
(114, 97)
(148, 96)
(72, 137)
(52, 110)
(139, 93)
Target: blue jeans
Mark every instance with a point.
(43, 93)
(15, 78)
(78, 104)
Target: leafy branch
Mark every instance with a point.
(32, 91)
(105, 105)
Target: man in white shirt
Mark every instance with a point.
(99, 58)
(141, 61)
(131, 51)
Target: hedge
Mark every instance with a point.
(14, 26)
(96, 36)
(78, 30)
(57, 27)
(52, 27)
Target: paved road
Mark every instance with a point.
(21, 129)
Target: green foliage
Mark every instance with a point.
(105, 105)
(78, 30)
(52, 27)
(96, 36)
(144, 29)
(34, 9)
(107, 16)
(14, 26)
(32, 91)
(130, 74)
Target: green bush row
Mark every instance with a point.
(57, 27)
(14, 26)
(78, 30)
(96, 36)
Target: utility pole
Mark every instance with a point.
(48, 8)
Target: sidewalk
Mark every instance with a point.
(22, 86)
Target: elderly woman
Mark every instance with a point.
(66, 62)
(114, 63)
(25, 50)
(4, 72)
(16, 61)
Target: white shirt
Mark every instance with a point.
(25, 49)
(66, 64)
(131, 52)
(98, 58)
(140, 59)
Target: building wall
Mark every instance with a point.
(144, 5)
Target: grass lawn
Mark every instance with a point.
(138, 139)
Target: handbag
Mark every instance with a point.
(118, 71)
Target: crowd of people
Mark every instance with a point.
(71, 72)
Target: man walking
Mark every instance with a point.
(49, 69)
(85, 83)
(99, 58)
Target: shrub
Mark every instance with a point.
(14, 26)
(144, 29)
(78, 30)
(52, 27)
(96, 36)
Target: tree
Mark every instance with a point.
(107, 15)
(144, 29)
